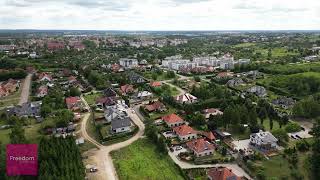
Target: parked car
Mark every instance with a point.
(178, 148)
(92, 170)
(293, 137)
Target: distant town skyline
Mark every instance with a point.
(160, 14)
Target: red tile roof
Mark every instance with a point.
(72, 100)
(154, 106)
(209, 135)
(126, 88)
(155, 84)
(43, 74)
(200, 145)
(184, 130)
(222, 173)
(172, 118)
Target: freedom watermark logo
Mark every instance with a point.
(22, 159)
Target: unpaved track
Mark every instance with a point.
(25, 89)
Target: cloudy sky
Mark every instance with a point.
(161, 14)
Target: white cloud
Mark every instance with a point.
(160, 14)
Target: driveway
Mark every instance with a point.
(102, 158)
(25, 89)
(241, 144)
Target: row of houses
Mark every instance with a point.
(8, 87)
(199, 143)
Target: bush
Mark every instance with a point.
(292, 127)
(302, 145)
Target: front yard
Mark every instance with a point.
(92, 97)
(141, 160)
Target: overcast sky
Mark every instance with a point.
(161, 14)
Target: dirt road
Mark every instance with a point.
(25, 89)
(102, 156)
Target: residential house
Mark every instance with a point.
(172, 120)
(104, 102)
(8, 87)
(284, 102)
(54, 45)
(222, 173)
(222, 135)
(186, 99)
(211, 112)
(224, 75)
(120, 125)
(44, 77)
(235, 82)
(258, 91)
(135, 78)
(155, 84)
(155, 106)
(42, 91)
(264, 141)
(143, 62)
(72, 79)
(201, 147)
(144, 95)
(185, 132)
(29, 109)
(127, 89)
(109, 92)
(208, 136)
(128, 63)
(74, 103)
(113, 112)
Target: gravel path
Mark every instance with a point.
(25, 89)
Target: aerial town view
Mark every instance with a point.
(159, 90)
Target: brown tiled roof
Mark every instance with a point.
(200, 145)
(222, 173)
(172, 118)
(184, 130)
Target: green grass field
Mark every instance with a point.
(91, 98)
(278, 166)
(141, 160)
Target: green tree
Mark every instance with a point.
(17, 135)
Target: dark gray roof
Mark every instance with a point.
(26, 109)
(120, 122)
(109, 92)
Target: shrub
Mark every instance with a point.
(292, 127)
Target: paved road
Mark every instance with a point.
(25, 90)
(103, 158)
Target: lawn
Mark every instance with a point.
(91, 98)
(92, 130)
(141, 160)
(10, 100)
(244, 45)
(160, 77)
(4, 136)
(157, 115)
(266, 125)
(278, 166)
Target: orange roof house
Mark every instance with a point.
(201, 147)
(172, 120)
(185, 132)
(126, 89)
(155, 106)
(222, 173)
(155, 84)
